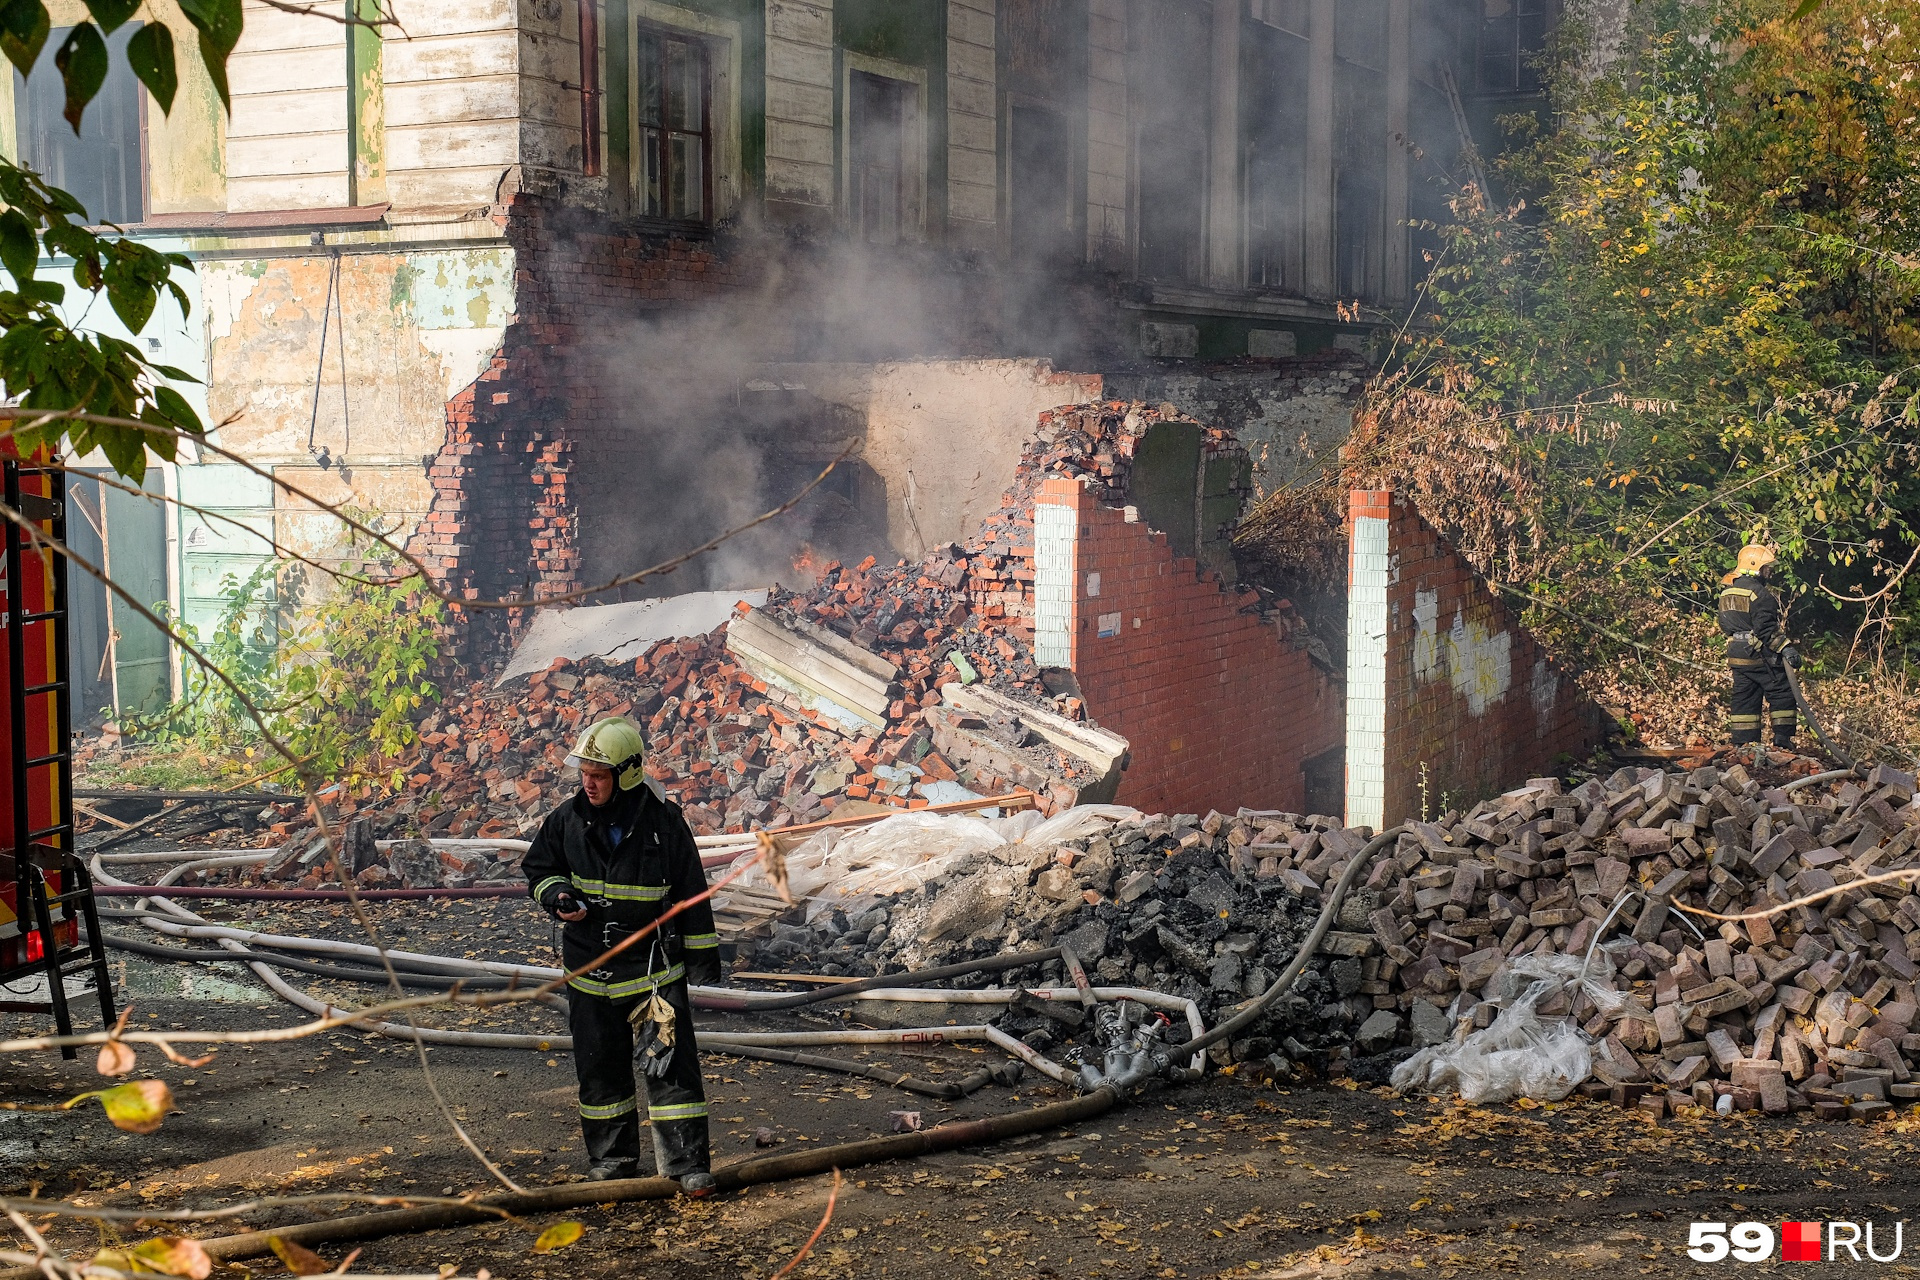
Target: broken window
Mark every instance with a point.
(1513, 34)
(105, 166)
(1173, 183)
(1360, 149)
(881, 177)
(673, 152)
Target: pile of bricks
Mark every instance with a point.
(1813, 1008)
(740, 753)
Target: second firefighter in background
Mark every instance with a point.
(607, 863)
(1758, 651)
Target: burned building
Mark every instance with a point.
(558, 289)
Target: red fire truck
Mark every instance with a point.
(49, 930)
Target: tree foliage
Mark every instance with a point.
(45, 362)
(1686, 319)
(1688, 322)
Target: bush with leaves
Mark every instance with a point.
(1688, 323)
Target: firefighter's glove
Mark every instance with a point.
(653, 1021)
(561, 902)
(1790, 656)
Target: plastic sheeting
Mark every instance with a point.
(846, 869)
(1521, 1054)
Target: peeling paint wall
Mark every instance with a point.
(1450, 698)
(413, 330)
(942, 434)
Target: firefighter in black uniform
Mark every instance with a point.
(607, 863)
(1758, 651)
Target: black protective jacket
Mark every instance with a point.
(1750, 619)
(626, 885)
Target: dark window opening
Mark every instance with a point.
(1358, 234)
(1172, 192)
(878, 175)
(673, 155)
(1513, 34)
(1277, 161)
(104, 167)
(1041, 187)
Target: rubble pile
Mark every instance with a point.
(1178, 904)
(739, 751)
(1813, 1008)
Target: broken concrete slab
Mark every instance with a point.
(620, 632)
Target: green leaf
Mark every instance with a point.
(126, 451)
(19, 248)
(111, 14)
(219, 23)
(1806, 7)
(150, 54)
(132, 301)
(176, 409)
(82, 61)
(24, 26)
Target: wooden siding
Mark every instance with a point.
(287, 145)
(800, 161)
(973, 189)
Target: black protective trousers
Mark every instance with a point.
(1753, 686)
(609, 1106)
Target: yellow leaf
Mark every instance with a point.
(167, 1256)
(139, 1106)
(116, 1058)
(558, 1236)
(299, 1259)
(173, 1256)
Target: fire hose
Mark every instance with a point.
(1128, 1063)
(1806, 709)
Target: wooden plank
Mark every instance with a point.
(869, 703)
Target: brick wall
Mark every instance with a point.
(1466, 692)
(1221, 709)
(533, 442)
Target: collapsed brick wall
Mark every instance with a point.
(536, 429)
(1215, 692)
(1450, 698)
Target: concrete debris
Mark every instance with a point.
(820, 696)
(1176, 904)
(1816, 1006)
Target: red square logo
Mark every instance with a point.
(1800, 1241)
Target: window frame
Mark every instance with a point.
(1517, 56)
(18, 84)
(639, 30)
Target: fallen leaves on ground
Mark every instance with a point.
(558, 1236)
(298, 1259)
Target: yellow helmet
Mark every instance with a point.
(616, 743)
(1753, 558)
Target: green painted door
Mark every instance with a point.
(224, 545)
